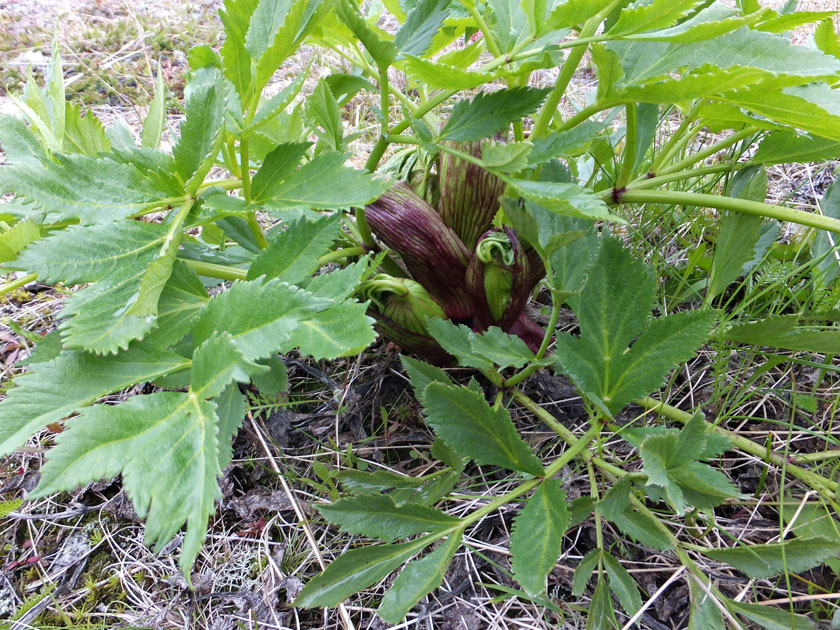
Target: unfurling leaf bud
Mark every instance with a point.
(400, 307)
(432, 253)
(469, 194)
(498, 278)
(402, 300)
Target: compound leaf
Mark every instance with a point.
(164, 445)
(324, 183)
(769, 617)
(537, 536)
(622, 584)
(54, 389)
(490, 112)
(377, 515)
(155, 120)
(356, 570)
(80, 187)
(464, 420)
(614, 307)
(418, 579)
(216, 363)
(202, 131)
(421, 25)
(767, 560)
(279, 164)
(651, 16)
(293, 255)
(565, 198)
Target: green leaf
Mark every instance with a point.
(738, 232)
(16, 238)
(293, 255)
(272, 108)
(764, 55)
(782, 147)
(421, 375)
(355, 570)
(297, 20)
(265, 23)
(363, 482)
(421, 25)
(88, 254)
(80, 187)
(340, 284)
(615, 305)
(182, 299)
(704, 613)
(443, 76)
(642, 528)
(156, 116)
(782, 332)
(537, 536)
(501, 348)
(54, 389)
(506, 157)
(99, 320)
(202, 131)
(670, 462)
(575, 12)
(279, 164)
(236, 62)
(377, 516)
(651, 16)
(568, 143)
(473, 429)
(19, 143)
(490, 112)
(216, 363)
(622, 585)
(339, 331)
(601, 615)
(83, 135)
(164, 445)
(230, 409)
(262, 317)
(771, 618)
(823, 248)
(826, 39)
(455, 339)
(584, 571)
(55, 92)
(324, 183)
(712, 21)
(565, 198)
(767, 560)
(382, 50)
(418, 579)
(322, 111)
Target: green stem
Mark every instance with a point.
(340, 254)
(256, 230)
(213, 270)
(629, 161)
(492, 45)
(384, 99)
(226, 184)
(745, 206)
(652, 182)
(245, 168)
(567, 435)
(570, 66)
(664, 152)
(555, 467)
(814, 480)
(402, 139)
(584, 114)
(708, 151)
(16, 284)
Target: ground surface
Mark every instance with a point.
(78, 559)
